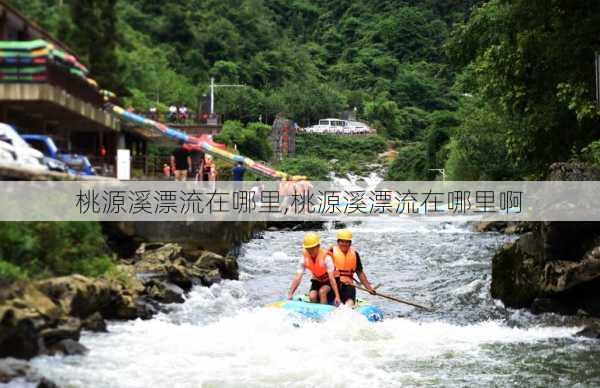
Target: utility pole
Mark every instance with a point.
(212, 92)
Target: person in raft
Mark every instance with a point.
(323, 287)
(347, 262)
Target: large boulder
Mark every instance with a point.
(22, 316)
(164, 292)
(69, 328)
(170, 263)
(516, 271)
(561, 275)
(556, 266)
(80, 296)
(68, 347)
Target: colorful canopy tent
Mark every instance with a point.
(202, 142)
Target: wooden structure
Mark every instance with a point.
(61, 105)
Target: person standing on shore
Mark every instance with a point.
(181, 162)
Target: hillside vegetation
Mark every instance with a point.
(485, 89)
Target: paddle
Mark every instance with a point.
(391, 297)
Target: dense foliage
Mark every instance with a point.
(40, 249)
(319, 154)
(492, 89)
(530, 66)
(251, 140)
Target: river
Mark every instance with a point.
(223, 337)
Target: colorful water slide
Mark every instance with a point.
(202, 142)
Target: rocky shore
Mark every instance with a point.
(47, 316)
(553, 266)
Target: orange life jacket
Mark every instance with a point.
(317, 266)
(345, 264)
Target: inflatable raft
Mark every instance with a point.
(318, 311)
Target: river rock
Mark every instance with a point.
(210, 277)
(94, 322)
(158, 252)
(167, 270)
(68, 347)
(180, 274)
(561, 275)
(147, 307)
(551, 305)
(165, 292)
(81, 296)
(590, 331)
(46, 383)
(490, 226)
(22, 318)
(516, 272)
(156, 261)
(227, 266)
(70, 329)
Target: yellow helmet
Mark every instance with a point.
(311, 239)
(344, 234)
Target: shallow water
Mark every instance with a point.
(222, 336)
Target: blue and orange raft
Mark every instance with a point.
(318, 311)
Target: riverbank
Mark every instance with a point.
(47, 317)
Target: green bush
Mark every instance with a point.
(340, 154)
(410, 164)
(330, 146)
(43, 249)
(251, 140)
(10, 272)
(591, 153)
(311, 166)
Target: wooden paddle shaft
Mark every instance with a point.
(394, 299)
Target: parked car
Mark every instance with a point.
(16, 151)
(74, 164)
(339, 126)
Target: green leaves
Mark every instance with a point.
(252, 140)
(40, 249)
(534, 62)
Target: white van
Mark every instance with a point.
(338, 126)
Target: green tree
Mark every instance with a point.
(534, 61)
